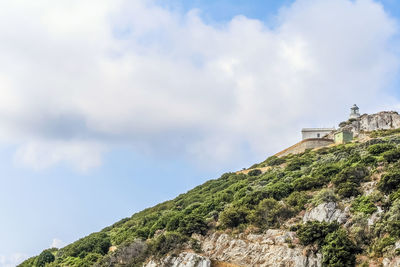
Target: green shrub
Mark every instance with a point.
(392, 155)
(368, 160)
(394, 195)
(95, 243)
(338, 250)
(382, 244)
(349, 179)
(393, 228)
(314, 232)
(278, 190)
(254, 172)
(347, 189)
(297, 200)
(307, 182)
(381, 133)
(325, 195)
(192, 223)
(378, 149)
(166, 242)
(352, 174)
(270, 213)
(326, 171)
(45, 257)
(173, 223)
(296, 164)
(274, 160)
(233, 216)
(390, 181)
(363, 204)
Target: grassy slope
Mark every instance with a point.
(240, 201)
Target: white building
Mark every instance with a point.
(308, 133)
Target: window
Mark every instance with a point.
(318, 135)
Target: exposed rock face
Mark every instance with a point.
(326, 212)
(269, 249)
(184, 259)
(391, 263)
(380, 121)
(375, 217)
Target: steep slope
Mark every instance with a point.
(335, 206)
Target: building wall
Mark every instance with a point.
(343, 137)
(303, 145)
(307, 134)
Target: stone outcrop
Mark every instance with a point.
(395, 262)
(326, 212)
(380, 121)
(184, 259)
(272, 248)
(269, 249)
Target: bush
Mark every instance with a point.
(270, 213)
(45, 257)
(348, 189)
(278, 190)
(381, 245)
(173, 223)
(363, 204)
(368, 160)
(192, 223)
(325, 195)
(274, 160)
(166, 243)
(297, 200)
(314, 232)
(378, 149)
(327, 171)
(233, 216)
(390, 181)
(307, 182)
(254, 172)
(348, 181)
(95, 243)
(338, 250)
(351, 174)
(296, 164)
(392, 155)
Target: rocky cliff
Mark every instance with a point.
(384, 120)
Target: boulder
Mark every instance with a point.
(326, 212)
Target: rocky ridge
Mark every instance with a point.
(384, 120)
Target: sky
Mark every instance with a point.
(109, 107)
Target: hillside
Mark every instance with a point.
(334, 206)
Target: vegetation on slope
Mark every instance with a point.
(259, 201)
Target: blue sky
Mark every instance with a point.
(130, 104)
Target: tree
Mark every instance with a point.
(233, 216)
(389, 182)
(339, 250)
(44, 257)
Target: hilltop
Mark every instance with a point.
(337, 205)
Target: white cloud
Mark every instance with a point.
(78, 79)
(57, 243)
(12, 260)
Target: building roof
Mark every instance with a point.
(318, 129)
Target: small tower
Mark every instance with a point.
(355, 112)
